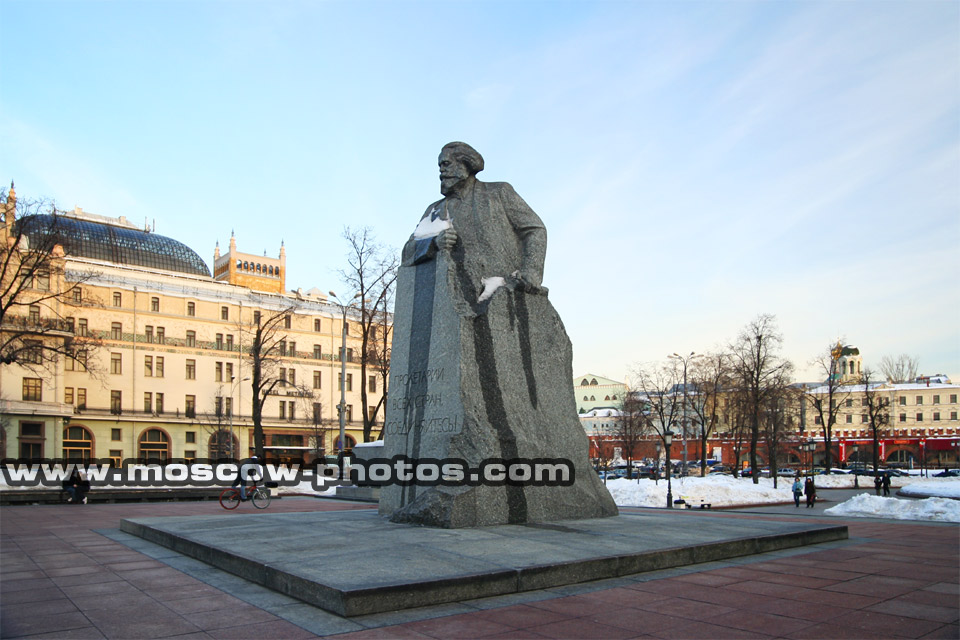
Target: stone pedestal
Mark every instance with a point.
(478, 381)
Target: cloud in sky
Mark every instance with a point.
(696, 163)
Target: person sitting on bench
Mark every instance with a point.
(77, 487)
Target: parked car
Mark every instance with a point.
(719, 468)
(948, 473)
(836, 472)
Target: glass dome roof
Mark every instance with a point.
(120, 245)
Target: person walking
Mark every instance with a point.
(877, 483)
(797, 491)
(810, 490)
(886, 485)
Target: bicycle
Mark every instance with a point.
(258, 495)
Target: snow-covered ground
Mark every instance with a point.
(718, 490)
(866, 505)
(933, 487)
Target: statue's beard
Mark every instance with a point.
(451, 184)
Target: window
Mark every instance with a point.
(953, 398)
(218, 341)
(919, 417)
(287, 321)
(218, 406)
(936, 416)
(256, 318)
(349, 382)
(903, 417)
(903, 401)
(159, 404)
(115, 457)
(160, 336)
(81, 357)
(77, 295)
(154, 446)
(31, 440)
(32, 389)
(372, 384)
(224, 313)
(349, 413)
(34, 314)
(349, 355)
(147, 402)
(115, 435)
(953, 415)
(816, 419)
(936, 399)
(148, 366)
(316, 324)
(317, 413)
(33, 351)
(849, 419)
(71, 324)
(82, 329)
(283, 376)
(148, 333)
(864, 419)
(370, 411)
(190, 455)
(228, 406)
(849, 402)
(81, 398)
(116, 364)
(290, 410)
(190, 437)
(154, 304)
(919, 399)
(292, 376)
(42, 281)
(116, 299)
(159, 367)
(190, 408)
(116, 398)
(218, 372)
(68, 395)
(229, 342)
(283, 410)
(77, 444)
(191, 373)
(191, 309)
(116, 330)
(292, 349)
(863, 402)
(228, 372)
(316, 379)
(191, 338)
(282, 347)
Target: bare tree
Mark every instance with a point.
(758, 369)
(739, 425)
(709, 379)
(902, 368)
(371, 275)
(36, 299)
(878, 412)
(657, 389)
(779, 423)
(318, 429)
(630, 427)
(216, 424)
(829, 397)
(267, 347)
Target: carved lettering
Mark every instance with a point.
(416, 377)
(443, 424)
(425, 400)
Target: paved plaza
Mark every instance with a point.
(67, 571)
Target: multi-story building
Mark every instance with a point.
(596, 392)
(168, 371)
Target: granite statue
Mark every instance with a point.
(481, 366)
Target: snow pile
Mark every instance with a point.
(717, 490)
(490, 285)
(868, 506)
(429, 228)
(939, 487)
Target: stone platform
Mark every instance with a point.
(356, 563)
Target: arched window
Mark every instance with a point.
(277, 273)
(607, 398)
(154, 446)
(614, 397)
(351, 442)
(77, 444)
(239, 264)
(584, 383)
(223, 444)
(593, 399)
(593, 382)
(586, 399)
(246, 265)
(270, 270)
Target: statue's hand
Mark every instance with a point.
(446, 239)
(525, 282)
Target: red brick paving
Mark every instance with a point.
(59, 578)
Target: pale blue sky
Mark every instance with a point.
(695, 163)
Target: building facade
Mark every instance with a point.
(168, 372)
(596, 392)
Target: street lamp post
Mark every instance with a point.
(683, 424)
(667, 439)
(810, 446)
(342, 407)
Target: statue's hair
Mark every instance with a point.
(466, 154)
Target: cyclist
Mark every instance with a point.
(248, 470)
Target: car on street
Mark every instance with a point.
(948, 473)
